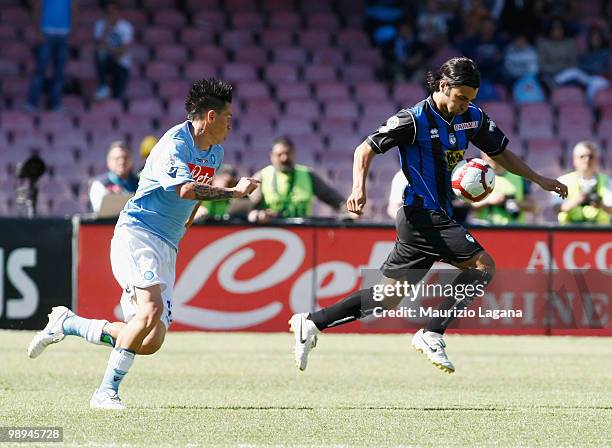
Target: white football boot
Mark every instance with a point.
(432, 345)
(305, 332)
(106, 399)
(52, 333)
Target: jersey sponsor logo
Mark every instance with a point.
(201, 173)
(453, 157)
(491, 125)
(467, 125)
(433, 133)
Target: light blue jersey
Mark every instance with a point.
(174, 160)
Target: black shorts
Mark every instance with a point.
(424, 237)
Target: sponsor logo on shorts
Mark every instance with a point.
(148, 275)
(201, 173)
(467, 125)
(470, 238)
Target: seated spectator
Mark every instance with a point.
(486, 49)
(226, 177)
(432, 24)
(53, 20)
(118, 179)
(593, 65)
(410, 55)
(287, 189)
(113, 37)
(520, 60)
(509, 200)
(589, 198)
(556, 50)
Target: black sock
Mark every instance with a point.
(349, 309)
(468, 277)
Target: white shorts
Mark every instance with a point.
(141, 259)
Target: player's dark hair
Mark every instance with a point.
(285, 141)
(207, 94)
(456, 72)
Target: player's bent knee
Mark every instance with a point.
(150, 348)
(154, 340)
(150, 313)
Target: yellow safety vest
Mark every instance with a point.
(289, 194)
(508, 184)
(583, 213)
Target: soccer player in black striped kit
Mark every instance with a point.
(431, 137)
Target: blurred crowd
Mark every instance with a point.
(524, 50)
(526, 47)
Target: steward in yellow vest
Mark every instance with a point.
(288, 189)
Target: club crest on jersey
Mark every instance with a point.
(468, 125)
(171, 167)
(433, 133)
(452, 139)
(201, 173)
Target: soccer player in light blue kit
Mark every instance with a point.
(176, 177)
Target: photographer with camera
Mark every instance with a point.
(508, 202)
(589, 198)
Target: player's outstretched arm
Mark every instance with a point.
(512, 163)
(361, 165)
(205, 192)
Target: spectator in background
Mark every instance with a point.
(589, 192)
(432, 24)
(486, 49)
(113, 37)
(508, 202)
(410, 55)
(520, 60)
(53, 19)
(225, 177)
(593, 65)
(287, 189)
(118, 179)
(556, 51)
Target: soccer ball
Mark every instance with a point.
(473, 180)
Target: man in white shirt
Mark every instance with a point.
(113, 37)
(118, 179)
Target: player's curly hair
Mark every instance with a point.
(458, 71)
(207, 94)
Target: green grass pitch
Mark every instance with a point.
(229, 389)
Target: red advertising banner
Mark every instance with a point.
(255, 278)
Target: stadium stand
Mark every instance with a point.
(305, 69)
